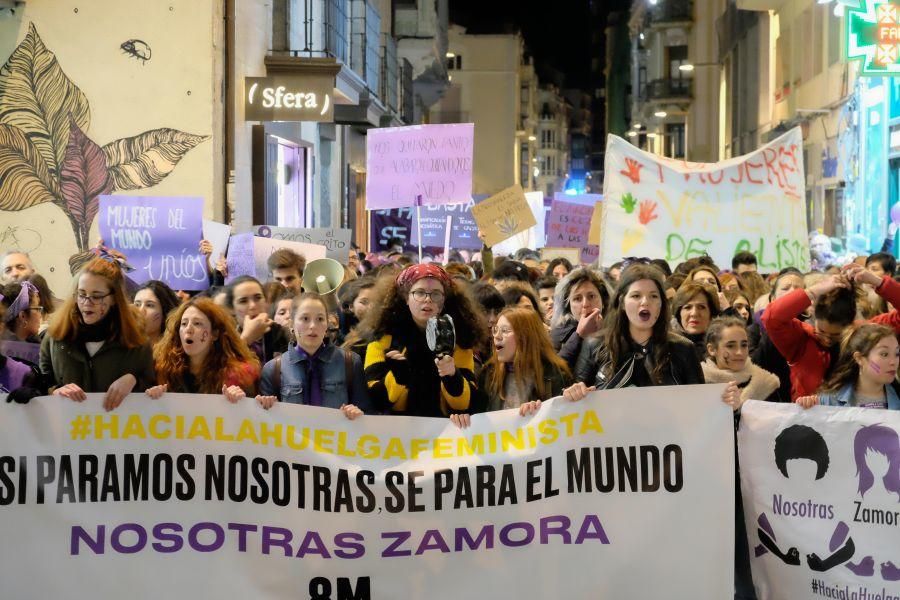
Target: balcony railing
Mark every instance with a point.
(390, 73)
(665, 89)
(365, 29)
(671, 11)
(407, 108)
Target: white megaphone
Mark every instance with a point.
(323, 276)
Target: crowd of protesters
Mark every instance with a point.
(526, 330)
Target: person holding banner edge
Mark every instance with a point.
(202, 353)
(404, 376)
(865, 373)
(811, 351)
(523, 369)
(636, 347)
(94, 343)
(313, 371)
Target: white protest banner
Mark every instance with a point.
(419, 164)
(264, 247)
(821, 489)
(217, 234)
(627, 494)
(335, 241)
(663, 208)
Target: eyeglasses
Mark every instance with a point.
(501, 331)
(435, 296)
(40, 309)
(92, 299)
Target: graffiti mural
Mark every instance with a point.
(46, 155)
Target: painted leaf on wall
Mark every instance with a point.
(145, 159)
(25, 179)
(83, 177)
(37, 97)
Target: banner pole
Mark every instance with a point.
(419, 224)
(447, 240)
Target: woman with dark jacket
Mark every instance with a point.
(578, 308)
(94, 343)
(523, 369)
(636, 347)
(404, 376)
(693, 309)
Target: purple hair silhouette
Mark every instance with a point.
(885, 441)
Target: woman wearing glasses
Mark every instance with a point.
(403, 374)
(94, 343)
(23, 312)
(523, 369)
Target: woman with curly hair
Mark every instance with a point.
(95, 343)
(403, 374)
(202, 353)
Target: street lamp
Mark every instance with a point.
(660, 114)
(689, 67)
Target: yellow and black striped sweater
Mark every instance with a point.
(413, 386)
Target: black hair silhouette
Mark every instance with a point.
(800, 441)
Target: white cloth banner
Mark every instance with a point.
(628, 494)
(659, 207)
(821, 491)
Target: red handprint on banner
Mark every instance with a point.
(632, 170)
(647, 212)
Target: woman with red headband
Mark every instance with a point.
(404, 376)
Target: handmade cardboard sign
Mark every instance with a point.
(503, 215)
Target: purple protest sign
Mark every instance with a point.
(391, 223)
(568, 224)
(240, 260)
(159, 236)
(425, 164)
(463, 228)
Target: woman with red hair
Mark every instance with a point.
(95, 343)
(522, 371)
(201, 352)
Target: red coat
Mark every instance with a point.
(796, 340)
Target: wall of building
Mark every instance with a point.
(120, 70)
(486, 91)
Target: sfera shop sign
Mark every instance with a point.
(873, 37)
(288, 98)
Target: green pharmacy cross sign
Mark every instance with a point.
(873, 35)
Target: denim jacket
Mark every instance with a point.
(844, 397)
(335, 391)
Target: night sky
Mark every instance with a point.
(557, 32)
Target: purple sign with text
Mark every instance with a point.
(421, 164)
(159, 236)
(568, 226)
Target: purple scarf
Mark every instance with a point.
(313, 376)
